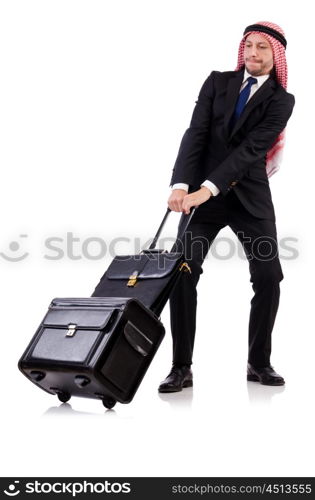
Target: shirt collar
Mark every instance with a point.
(260, 79)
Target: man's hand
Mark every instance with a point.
(195, 199)
(175, 201)
(180, 201)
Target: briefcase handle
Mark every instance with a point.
(184, 222)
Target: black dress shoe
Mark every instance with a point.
(265, 375)
(178, 378)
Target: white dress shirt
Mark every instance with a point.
(260, 80)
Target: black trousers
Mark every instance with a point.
(259, 241)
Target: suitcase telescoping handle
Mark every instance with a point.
(182, 226)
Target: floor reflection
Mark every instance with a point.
(258, 393)
(65, 410)
(178, 400)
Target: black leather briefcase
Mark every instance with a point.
(149, 276)
(93, 347)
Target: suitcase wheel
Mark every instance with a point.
(109, 402)
(63, 396)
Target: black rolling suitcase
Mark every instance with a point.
(149, 276)
(100, 347)
(93, 347)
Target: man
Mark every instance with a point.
(232, 146)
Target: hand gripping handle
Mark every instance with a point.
(182, 226)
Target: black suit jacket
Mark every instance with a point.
(233, 159)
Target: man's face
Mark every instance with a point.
(258, 56)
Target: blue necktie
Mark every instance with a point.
(242, 100)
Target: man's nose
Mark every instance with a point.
(253, 51)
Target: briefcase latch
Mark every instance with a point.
(133, 278)
(71, 330)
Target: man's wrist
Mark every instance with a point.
(212, 187)
(205, 187)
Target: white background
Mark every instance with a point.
(95, 97)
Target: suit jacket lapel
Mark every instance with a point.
(232, 94)
(264, 92)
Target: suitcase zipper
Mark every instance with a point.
(82, 304)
